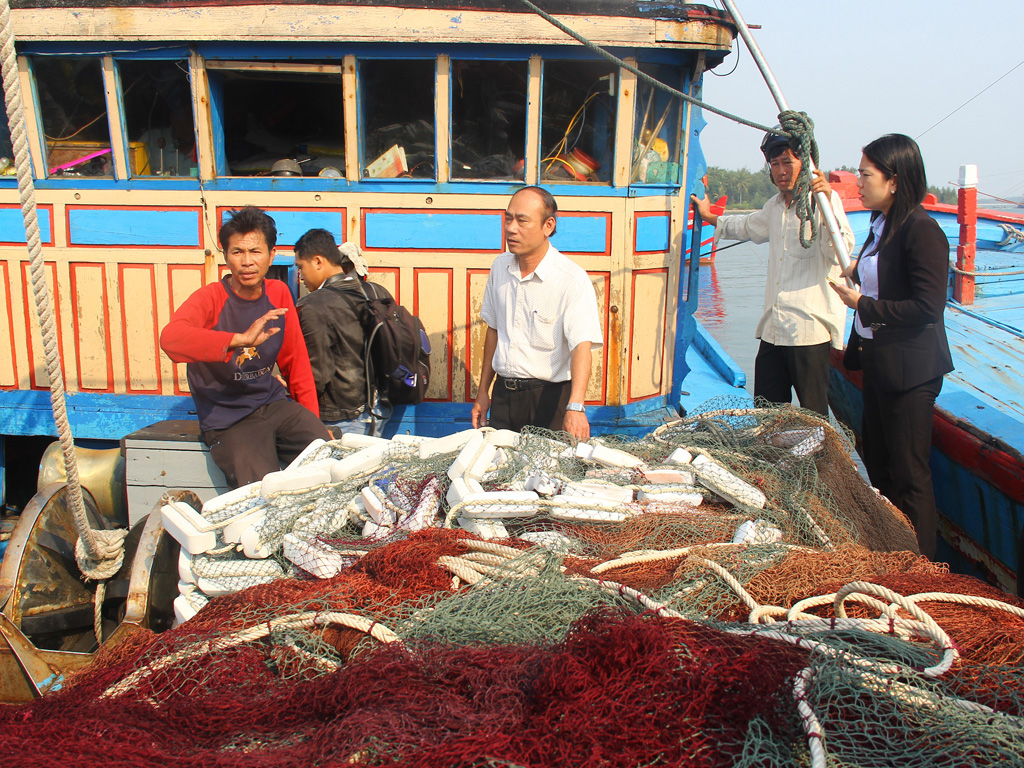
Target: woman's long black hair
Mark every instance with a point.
(897, 155)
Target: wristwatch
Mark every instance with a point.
(575, 407)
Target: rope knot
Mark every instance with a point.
(110, 548)
(801, 133)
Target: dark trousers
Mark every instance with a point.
(263, 440)
(780, 370)
(541, 405)
(897, 437)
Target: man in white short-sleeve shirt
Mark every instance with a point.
(542, 327)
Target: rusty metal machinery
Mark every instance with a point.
(47, 608)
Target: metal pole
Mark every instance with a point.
(824, 204)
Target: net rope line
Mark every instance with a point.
(99, 553)
(872, 671)
(297, 621)
(976, 273)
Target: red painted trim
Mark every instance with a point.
(632, 328)
(637, 215)
(853, 204)
(222, 209)
(457, 211)
(76, 313)
(30, 310)
(450, 274)
(125, 246)
(470, 274)
(151, 269)
(48, 207)
(6, 282)
(171, 270)
(587, 215)
(966, 449)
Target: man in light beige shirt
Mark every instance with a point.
(802, 316)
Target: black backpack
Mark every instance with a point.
(396, 351)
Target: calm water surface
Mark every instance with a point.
(731, 301)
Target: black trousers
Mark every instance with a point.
(263, 440)
(897, 435)
(778, 371)
(542, 405)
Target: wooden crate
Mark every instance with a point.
(168, 456)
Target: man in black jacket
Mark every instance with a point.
(330, 318)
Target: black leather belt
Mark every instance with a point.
(516, 385)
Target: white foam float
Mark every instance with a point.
(485, 529)
(674, 496)
(724, 483)
(500, 504)
(313, 556)
(189, 528)
(550, 540)
(446, 444)
(756, 532)
(593, 489)
(460, 489)
(679, 456)
(669, 476)
(607, 457)
(306, 453)
(361, 462)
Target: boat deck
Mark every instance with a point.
(987, 387)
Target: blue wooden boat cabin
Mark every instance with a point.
(411, 124)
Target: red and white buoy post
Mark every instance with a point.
(967, 217)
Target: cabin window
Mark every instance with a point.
(281, 119)
(578, 121)
(488, 119)
(656, 137)
(397, 105)
(157, 108)
(73, 106)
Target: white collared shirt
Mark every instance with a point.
(867, 270)
(539, 318)
(800, 308)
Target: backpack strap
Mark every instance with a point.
(371, 379)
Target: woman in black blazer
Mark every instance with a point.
(899, 339)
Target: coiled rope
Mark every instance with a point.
(796, 126)
(99, 553)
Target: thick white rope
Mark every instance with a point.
(99, 556)
(296, 621)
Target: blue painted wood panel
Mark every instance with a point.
(652, 233)
(293, 224)
(133, 226)
(582, 234)
(442, 231)
(12, 226)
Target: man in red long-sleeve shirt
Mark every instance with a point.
(231, 334)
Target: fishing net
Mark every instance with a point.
(726, 590)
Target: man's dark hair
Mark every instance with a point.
(548, 201)
(246, 220)
(319, 242)
(896, 155)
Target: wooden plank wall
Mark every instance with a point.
(118, 274)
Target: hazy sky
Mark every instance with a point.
(863, 68)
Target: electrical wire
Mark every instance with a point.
(1018, 64)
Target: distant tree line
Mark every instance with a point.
(751, 189)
